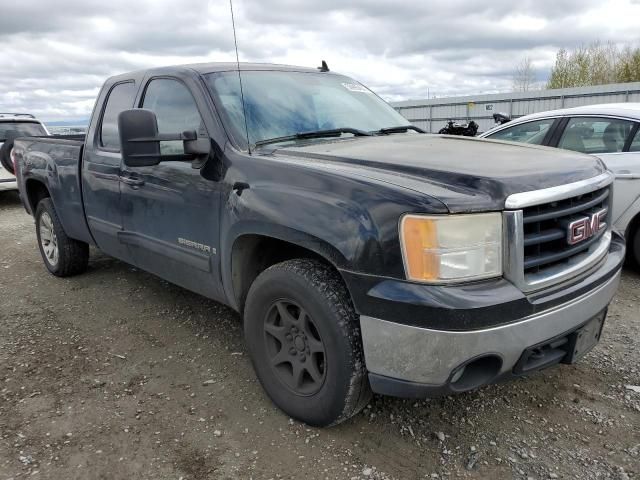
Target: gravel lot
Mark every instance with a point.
(117, 374)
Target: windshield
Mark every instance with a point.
(22, 129)
(280, 104)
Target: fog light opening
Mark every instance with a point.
(476, 373)
(457, 374)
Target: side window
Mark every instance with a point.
(635, 144)
(175, 109)
(595, 135)
(531, 132)
(120, 98)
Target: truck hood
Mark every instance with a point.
(466, 174)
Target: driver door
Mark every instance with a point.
(170, 212)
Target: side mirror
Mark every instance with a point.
(140, 140)
(138, 130)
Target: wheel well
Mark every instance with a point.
(36, 191)
(252, 254)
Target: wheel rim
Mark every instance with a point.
(48, 239)
(295, 350)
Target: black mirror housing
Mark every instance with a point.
(140, 141)
(138, 130)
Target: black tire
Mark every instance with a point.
(72, 255)
(633, 246)
(5, 152)
(331, 324)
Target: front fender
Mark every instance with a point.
(350, 221)
(624, 221)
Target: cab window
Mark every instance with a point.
(120, 98)
(530, 132)
(595, 135)
(175, 110)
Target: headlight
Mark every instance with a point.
(450, 248)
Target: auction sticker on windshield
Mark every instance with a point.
(355, 87)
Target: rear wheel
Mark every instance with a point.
(303, 336)
(63, 256)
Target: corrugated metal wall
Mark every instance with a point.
(433, 114)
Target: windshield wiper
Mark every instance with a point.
(334, 132)
(399, 129)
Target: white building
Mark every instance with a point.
(433, 114)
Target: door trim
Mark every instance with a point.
(193, 258)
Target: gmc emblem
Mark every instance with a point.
(586, 227)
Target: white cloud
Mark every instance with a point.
(57, 54)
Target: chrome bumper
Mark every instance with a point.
(429, 357)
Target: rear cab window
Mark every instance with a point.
(594, 135)
(120, 98)
(531, 132)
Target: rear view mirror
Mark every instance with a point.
(138, 130)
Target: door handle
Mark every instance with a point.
(131, 181)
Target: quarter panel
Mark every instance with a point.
(55, 163)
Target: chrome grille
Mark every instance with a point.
(537, 251)
(545, 229)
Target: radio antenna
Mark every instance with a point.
(244, 110)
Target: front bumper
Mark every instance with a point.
(411, 359)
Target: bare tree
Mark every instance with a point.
(524, 76)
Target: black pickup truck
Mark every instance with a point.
(362, 254)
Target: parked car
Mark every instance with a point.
(361, 254)
(609, 132)
(14, 125)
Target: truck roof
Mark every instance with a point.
(17, 116)
(212, 67)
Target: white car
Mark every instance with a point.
(15, 125)
(610, 132)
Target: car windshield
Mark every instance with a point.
(280, 104)
(27, 129)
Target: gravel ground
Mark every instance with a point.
(116, 374)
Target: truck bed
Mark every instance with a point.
(55, 161)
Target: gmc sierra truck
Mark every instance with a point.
(361, 253)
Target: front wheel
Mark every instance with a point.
(303, 336)
(63, 256)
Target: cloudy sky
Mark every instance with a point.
(56, 53)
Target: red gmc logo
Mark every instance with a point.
(586, 227)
